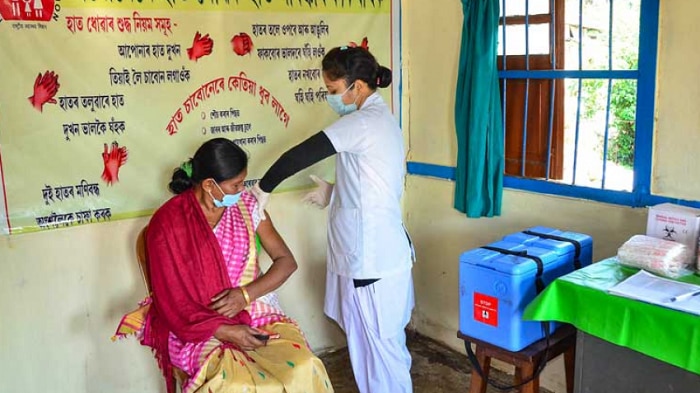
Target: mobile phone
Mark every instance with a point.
(262, 337)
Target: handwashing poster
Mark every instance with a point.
(101, 99)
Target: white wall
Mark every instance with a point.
(676, 158)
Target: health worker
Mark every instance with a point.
(369, 287)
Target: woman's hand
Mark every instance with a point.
(240, 335)
(283, 262)
(228, 302)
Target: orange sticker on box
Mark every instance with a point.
(485, 309)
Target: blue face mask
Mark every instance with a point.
(228, 200)
(337, 104)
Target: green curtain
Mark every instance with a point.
(478, 121)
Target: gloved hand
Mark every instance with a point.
(321, 195)
(262, 197)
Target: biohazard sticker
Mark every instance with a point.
(485, 309)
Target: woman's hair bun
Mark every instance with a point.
(180, 181)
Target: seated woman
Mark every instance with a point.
(214, 314)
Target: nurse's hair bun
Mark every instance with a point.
(383, 77)
(355, 63)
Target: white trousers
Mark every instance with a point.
(373, 318)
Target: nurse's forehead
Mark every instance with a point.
(336, 83)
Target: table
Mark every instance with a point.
(581, 299)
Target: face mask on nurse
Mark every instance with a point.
(336, 102)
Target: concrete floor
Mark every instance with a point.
(436, 369)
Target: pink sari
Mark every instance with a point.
(235, 233)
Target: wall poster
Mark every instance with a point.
(102, 99)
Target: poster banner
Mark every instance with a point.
(102, 99)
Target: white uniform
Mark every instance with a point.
(367, 240)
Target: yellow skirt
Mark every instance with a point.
(284, 365)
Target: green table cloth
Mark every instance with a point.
(581, 299)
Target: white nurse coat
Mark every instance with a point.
(366, 235)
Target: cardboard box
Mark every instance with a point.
(675, 222)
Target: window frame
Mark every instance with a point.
(644, 131)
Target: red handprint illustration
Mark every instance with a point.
(45, 88)
(201, 46)
(113, 159)
(242, 44)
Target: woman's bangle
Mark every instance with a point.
(246, 296)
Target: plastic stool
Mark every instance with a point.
(563, 340)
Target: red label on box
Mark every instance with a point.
(486, 309)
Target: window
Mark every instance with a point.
(577, 86)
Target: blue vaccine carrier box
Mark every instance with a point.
(496, 286)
